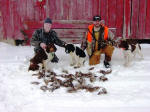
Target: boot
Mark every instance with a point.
(106, 64)
(55, 59)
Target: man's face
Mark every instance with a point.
(97, 23)
(47, 27)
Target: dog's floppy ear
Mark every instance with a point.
(51, 48)
(124, 44)
(66, 48)
(70, 48)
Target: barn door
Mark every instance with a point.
(77, 14)
(73, 9)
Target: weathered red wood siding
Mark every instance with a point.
(142, 18)
(131, 18)
(134, 18)
(127, 17)
(147, 24)
(119, 17)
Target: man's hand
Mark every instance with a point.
(43, 45)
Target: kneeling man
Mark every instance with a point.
(97, 42)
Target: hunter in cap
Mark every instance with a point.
(44, 36)
(97, 42)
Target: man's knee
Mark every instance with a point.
(109, 50)
(95, 58)
(108, 53)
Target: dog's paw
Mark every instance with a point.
(141, 59)
(72, 64)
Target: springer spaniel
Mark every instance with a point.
(77, 55)
(130, 49)
(42, 58)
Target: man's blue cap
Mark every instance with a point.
(48, 20)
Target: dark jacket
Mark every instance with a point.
(39, 36)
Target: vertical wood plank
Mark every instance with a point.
(95, 7)
(98, 7)
(1, 21)
(134, 18)
(36, 12)
(47, 9)
(83, 9)
(127, 15)
(23, 9)
(52, 8)
(3, 14)
(59, 9)
(1, 28)
(112, 13)
(65, 9)
(30, 9)
(2, 17)
(73, 10)
(104, 10)
(7, 19)
(142, 17)
(15, 20)
(147, 25)
(12, 14)
(119, 17)
(19, 21)
(88, 9)
(79, 11)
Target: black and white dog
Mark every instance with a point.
(130, 49)
(77, 55)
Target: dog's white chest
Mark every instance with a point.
(129, 55)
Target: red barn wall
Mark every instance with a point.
(131, 18)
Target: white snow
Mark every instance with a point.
(128, 87)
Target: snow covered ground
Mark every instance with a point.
(128, 87)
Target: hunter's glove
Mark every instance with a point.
(102, 45)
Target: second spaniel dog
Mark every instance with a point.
(42, 58)
(130, 49)
(77, 55)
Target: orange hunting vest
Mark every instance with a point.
(89, 34)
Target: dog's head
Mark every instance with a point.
(123, 44)
(69, 48)
(50, 48)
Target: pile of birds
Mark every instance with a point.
(72, 82)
